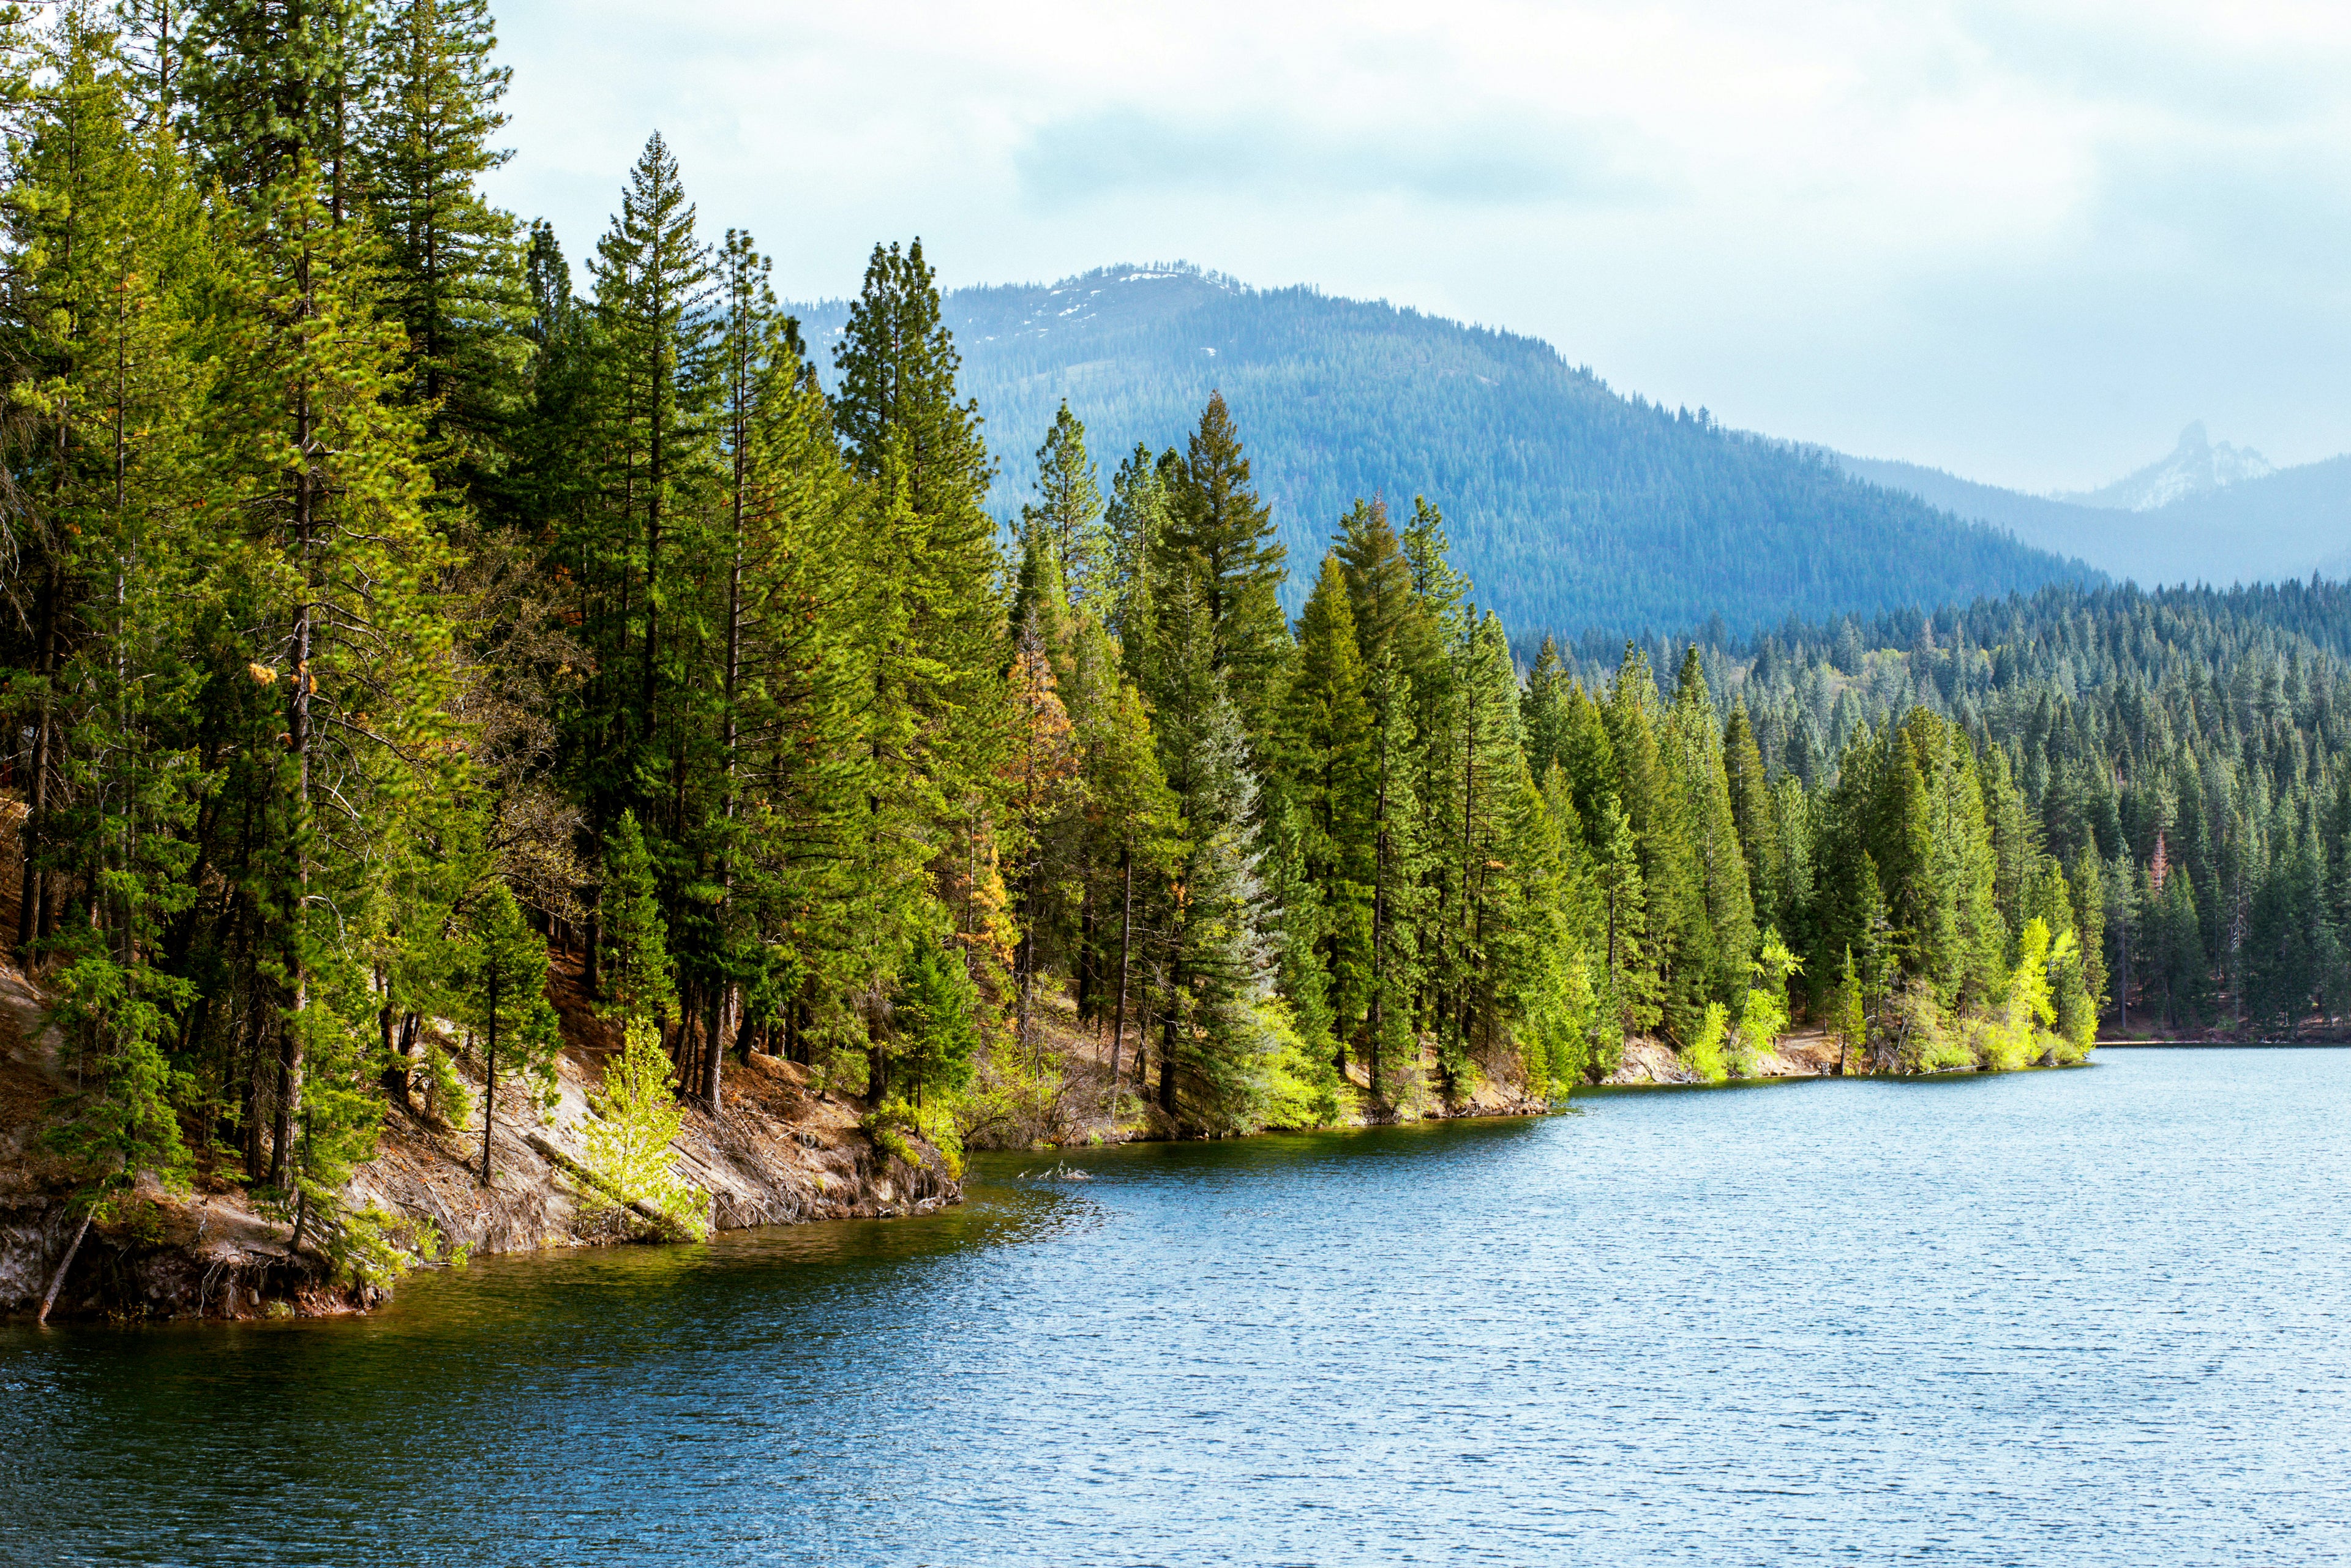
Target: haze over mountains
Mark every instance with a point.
(2194, 466)
(1571, 507)
(2206, 513)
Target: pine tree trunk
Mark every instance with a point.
(1171, 1028)
(298, 727)
(656, 455)
(252, 1093)
(708, 1089)
(32, 912)
(1378, 1010)
(746, 1032)
(58, 1280)
(395, 1060)
(281, 1125)
(1085, 977)
(1126, 936)
(592, 953)
(490, 1073)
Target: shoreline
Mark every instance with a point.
(786, 1149)
(782, 1149)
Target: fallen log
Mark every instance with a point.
(572, 1167)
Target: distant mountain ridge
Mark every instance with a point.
(2194, 467)
(1571, 507)
(2246, 524)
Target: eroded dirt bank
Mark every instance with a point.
(1806, 1053)
(779, 1151)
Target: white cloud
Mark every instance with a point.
(2023, 239)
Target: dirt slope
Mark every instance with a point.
(779, 1151)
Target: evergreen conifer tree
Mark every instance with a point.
(504, 992)
(455, 274)
(637, 979)
(1069, 510)
(1221, 534)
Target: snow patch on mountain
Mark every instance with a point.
(2196, 465)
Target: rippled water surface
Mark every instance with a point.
(2086, 1317)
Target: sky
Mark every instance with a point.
(2026, 242)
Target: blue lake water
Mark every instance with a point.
(2086, 1317)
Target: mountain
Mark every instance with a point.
(2194, 467)
(1570, 506)
(2280, 524)
(2094, 533)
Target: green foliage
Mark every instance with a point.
(127, 1123)
(503, 985)
(627, 1140)
(637, 975)
(937, 1024)
(1302, 1086)
(362, 1247)
(1068, 513)
(1702, 1053)
(1763, 1014)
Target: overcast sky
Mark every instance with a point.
(2023, 241)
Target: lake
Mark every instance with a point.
(2094, 1316)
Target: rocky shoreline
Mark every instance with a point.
(781, 1150)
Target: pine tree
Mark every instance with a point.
(1136, 519)
(1221, 536)
(504, 994)
(1652, 789)
(100, 227)
(1068, 512)
(1754, 814)
(456, 275)
(1040, 798)
(1543, 711)
(108, 481)
(271, 89)
(1136, 817)
(930, 629)
(339, 574)
(654, 309)
(637, 979)
(1332, 790)
(628, 1138)
(1401, 856)
(1223, 1022)
(1715, 840)
(1492, 779)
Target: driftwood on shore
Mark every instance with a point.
(546, 1147)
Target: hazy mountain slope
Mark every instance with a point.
(2288, 524)
(2284, 524)
(1569, 506)
(2094, 533)
(2194, 466)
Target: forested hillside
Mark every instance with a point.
(380, 614)
(2184, 751)
(1571, 506)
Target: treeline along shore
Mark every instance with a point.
(389, 626)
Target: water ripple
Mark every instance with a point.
(2082, 1318)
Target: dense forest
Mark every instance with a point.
(1572, 507)
(2185, 748)
(383, 615)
